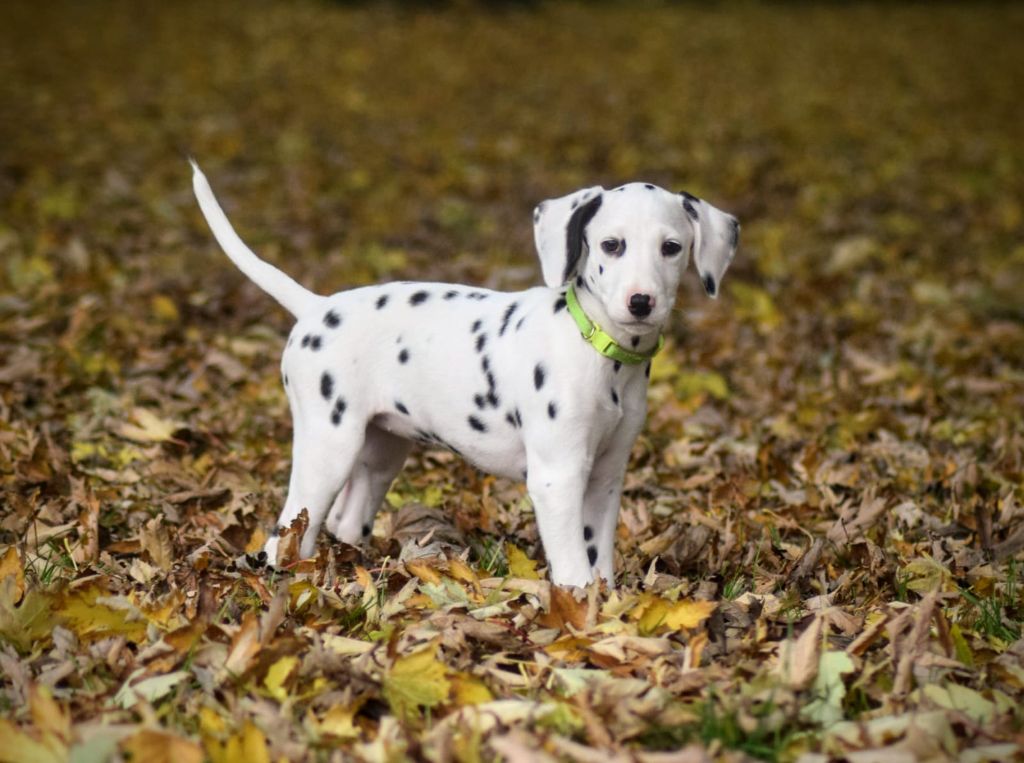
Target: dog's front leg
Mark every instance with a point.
(556, 489)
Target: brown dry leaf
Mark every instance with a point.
(10, 567)
(565, 610)
(160, 747)
(798, 659)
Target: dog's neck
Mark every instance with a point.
(623, 336)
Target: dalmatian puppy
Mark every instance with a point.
(547, 385)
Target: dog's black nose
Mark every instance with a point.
(640, 305)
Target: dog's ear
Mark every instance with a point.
(716, 235)
(559, 227)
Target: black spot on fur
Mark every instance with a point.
(552, 410)
(401, 407)
(314, 343)
(419, 297)
(477, 424)
(403, 356)
(588, 532)
(600, 270)
(617, 366)
(492, 399)
(366, 531)
(538, 376)
(559, 304)
(476, 326)
(520, 322)
(615, 396)
(451, 294)
(326, 385)
(648, 186)
(579, 282)
(338, 412)
(691, 210)
(510, 419)
(477, 295)
(519, 419)
(485, 364)
(479, 401)
(480, 342)
(592, 554)
(382, 300)
(507, 317)
(286, 380)
(635, 341)
(305, 340)
(332, 320)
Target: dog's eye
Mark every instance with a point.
(671, 248)
(612, 246)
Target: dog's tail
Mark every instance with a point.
(293, 296)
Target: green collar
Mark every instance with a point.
(601, 341)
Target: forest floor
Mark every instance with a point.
(821, 545)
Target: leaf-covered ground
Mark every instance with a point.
(822, 535)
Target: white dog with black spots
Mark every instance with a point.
(546, 385)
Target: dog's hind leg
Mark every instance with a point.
(381, 458)
(323, 457)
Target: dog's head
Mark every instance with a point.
(630, 246)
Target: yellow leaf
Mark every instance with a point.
(338, 722)
(148, 427)
(210, 721)
(164, 308)
(91, 619)
(925, 575)
(10, 566)
(689, 384)
(254, 745)
(459, 570)
(47, 715)
(19, 747)
(277, 675)
(423, 571)
(519, 564)
(416, 680)
(469, 690)
(688, 614)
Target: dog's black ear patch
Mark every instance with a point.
(574, 233)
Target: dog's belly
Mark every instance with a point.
(502, 454)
